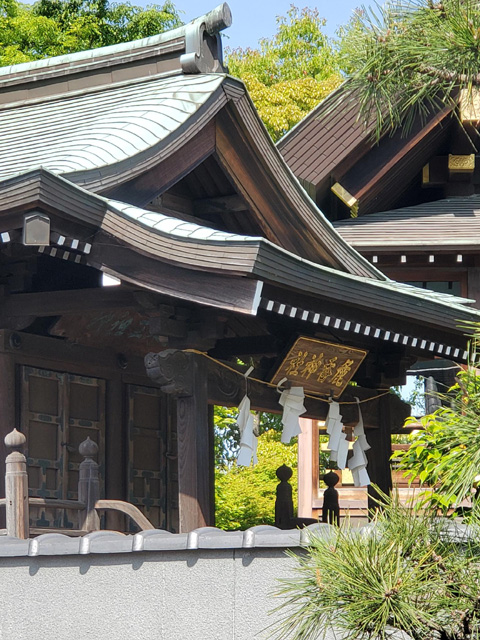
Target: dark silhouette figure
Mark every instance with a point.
(284, 501)
(331, 507)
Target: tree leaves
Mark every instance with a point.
(245, 496)
(409, 59)
(410, 571)
(288, 75)
(445, 454)
(56, 27)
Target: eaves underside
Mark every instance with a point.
(192, 249)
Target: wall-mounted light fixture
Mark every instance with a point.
(36, 229)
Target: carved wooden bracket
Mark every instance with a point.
(172, 370)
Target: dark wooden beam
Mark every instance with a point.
(177, 206)
(173, 202)
(227, 388)
(380, 441)
(246, 346)
(169, 327)
(392, 317)
(57, 303)
(221, 204)
(393, 164)
(189, 285)
(185, 328)
(54, 353)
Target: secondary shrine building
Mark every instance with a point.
(147, 163)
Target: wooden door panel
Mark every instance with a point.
(147, 468)
(86, 418)
(58, 411)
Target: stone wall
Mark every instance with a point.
(208, 585)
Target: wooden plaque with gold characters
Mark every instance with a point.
(320, 367)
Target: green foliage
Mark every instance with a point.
(408, 572)
(55, 27)
(245, 496)
(289, 74)
(445, 454)
(411, 571)
(227, 435)
(406, 58)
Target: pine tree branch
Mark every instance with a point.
(451, 76)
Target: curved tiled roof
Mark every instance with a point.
(165, 238)
(268, 261)
(164, 223)
(104, 137)
(214, 267)
(453, 223)
(91, 130)
(261, 536)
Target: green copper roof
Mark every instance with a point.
(95, 129)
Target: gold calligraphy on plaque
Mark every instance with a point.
(321, 367)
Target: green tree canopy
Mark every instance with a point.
(410, 57)
(290, 73)
(245, 496)
(55, 27)
(445, 453)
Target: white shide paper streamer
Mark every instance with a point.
(292, 403)
(358, 462)
(248, 441)
(338, 445)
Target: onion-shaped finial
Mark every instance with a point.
(88, 448)
(284, 473)
(15, 440)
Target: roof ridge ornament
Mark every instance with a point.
(203, 44)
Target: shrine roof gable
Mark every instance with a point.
(333, 145)
(133, 141)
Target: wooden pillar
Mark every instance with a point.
(7, 413)
(195, 500)
(211, 463)
(16, 487)
(185, 376)
(380, 441)
(306, 463)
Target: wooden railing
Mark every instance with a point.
(17, 502)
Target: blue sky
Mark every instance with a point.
(255, 19)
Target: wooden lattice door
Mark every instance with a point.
(147, 460)
(58, 411)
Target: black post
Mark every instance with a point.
(380, 441)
